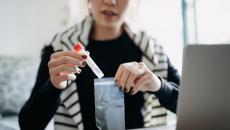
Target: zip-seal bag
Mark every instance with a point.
(109, 105)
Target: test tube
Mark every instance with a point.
(89, 61)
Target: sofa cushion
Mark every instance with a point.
(17, 76)
(9, 123)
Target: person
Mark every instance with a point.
(64, 85)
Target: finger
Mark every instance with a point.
(139, 84)
(64, 68)
(83, 64)
(72, 54)
(65, 60)
(66, 77)
(119, 74)
(130, 82)
(117, 80)
(87, 52)
(59, 81)
(123, 80)
(78, 71)
(140, 68)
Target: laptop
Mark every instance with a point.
(204, 99)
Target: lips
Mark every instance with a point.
(109, 13)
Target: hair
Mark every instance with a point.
(81, 10)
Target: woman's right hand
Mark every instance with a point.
(63, 66)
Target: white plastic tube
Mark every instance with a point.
(89, 61)
(94, 67)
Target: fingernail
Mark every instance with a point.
(132, 93)
(79, 71)
(117, 83)
(84, 56)
(126, 90)
(83, 64)
(123, 89)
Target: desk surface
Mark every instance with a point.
(164, 127)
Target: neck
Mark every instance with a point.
(106, 33)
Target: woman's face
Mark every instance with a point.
(109, 13)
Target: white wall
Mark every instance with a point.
(26, 25)
(163, 20)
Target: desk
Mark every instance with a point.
(164, 127)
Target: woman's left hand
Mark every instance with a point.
(133, 77)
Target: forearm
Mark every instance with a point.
(169, 90)
(40, 108)
(168, 95)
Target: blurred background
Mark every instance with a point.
(27, 25)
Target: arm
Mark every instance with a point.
(44, 99)
(169, 90)
(168, 95)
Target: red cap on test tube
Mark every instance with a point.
(78, 47)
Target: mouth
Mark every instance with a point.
(109, 13)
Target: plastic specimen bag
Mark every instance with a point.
(109, 105)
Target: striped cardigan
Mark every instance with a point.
(68, 115)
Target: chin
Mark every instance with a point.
(110, 24)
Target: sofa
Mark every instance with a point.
(17, 76)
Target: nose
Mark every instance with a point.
(113, 2)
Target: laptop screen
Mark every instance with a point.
(204, 100)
